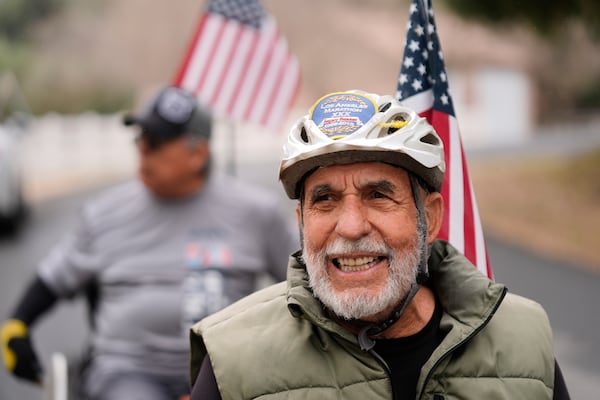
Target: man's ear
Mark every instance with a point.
(300, 224)
(299, 215)
(434, 212)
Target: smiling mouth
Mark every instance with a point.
(355, 264)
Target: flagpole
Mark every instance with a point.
(231, 165)
(424, 9)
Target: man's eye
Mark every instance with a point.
(379, 195)
(321, 198)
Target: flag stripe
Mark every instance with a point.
(457, 206)
(238, 65)
(250, 84)
(191, 54)
(420, 102)
(201, 54)
(480, 246)
(282, 100)
(272, 97)
(469, 228)
(273, 77)
(228, 46)
(443, 131)
(213, 72)
(257, 85)
(249, 59)
(216, 26)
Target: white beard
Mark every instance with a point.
(358, 303)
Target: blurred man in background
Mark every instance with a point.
(153, 256)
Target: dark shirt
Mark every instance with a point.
(405, 356)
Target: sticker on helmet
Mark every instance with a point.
(340, 114)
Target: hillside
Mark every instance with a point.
(547, 204)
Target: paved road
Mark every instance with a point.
(64, 329)
(569, 295)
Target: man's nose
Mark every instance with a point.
(353, 221)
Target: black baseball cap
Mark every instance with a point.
(172, 113)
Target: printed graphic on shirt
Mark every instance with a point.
(204, 286)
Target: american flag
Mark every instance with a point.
(423, 86)
(239, 64)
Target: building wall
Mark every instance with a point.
(493, 105)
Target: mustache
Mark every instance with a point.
(362, 245)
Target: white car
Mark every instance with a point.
(12, 203)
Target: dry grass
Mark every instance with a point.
(549, 205)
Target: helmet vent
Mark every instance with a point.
(430, 138)
(398, 120)
(385, 107)
(303, 135)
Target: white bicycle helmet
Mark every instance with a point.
(355, 126)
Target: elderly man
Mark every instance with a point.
(374, 306)
(154, 255)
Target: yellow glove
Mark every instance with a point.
(17, 352)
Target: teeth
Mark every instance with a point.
(355, 264)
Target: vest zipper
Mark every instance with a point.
(387, 369)
(465, 340)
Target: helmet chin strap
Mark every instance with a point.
(364, 336)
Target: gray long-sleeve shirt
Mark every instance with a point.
(138, 250)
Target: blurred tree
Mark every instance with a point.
(546, 16)
(17, 16)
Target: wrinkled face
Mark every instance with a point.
(171, 170)
(360, 238)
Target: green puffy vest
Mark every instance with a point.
(279, 344)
